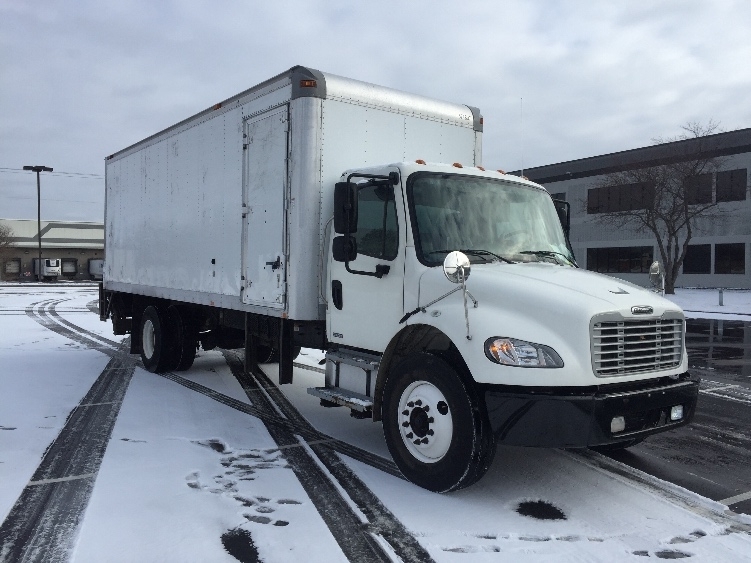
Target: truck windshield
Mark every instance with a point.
(489, 220)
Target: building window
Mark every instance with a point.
(730, 258)
(560, 196)
(731, 185)
(698, 259)
(621, 259)
(628, 197)
(698, 189)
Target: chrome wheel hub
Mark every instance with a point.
(425, 422)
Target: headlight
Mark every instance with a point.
(513, 352)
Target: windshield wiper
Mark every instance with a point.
(477, 252)
(551, 254)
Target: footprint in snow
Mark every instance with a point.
(242, 466)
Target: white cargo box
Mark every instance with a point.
(229, 208)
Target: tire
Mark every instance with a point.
(186, 339)
(268, 355)
(616, 447)
(157, 341)
(436, 427)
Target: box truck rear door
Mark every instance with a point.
(264, 195)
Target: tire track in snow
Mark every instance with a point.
(380, 522)
(360, 536)
(42, 524)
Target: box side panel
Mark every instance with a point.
(174, 210)
(173, 218)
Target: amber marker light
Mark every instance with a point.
(308, 84)
(457, 165)
(419, 161)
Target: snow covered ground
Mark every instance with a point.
(704, 303)
(182, 469)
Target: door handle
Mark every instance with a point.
(337, 294)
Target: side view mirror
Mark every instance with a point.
(657, 276)
(345, 208)
(564, 214)
(344, 249)
(456, 266)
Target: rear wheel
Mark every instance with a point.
(435, 425)
(186, 338)
(157, 341)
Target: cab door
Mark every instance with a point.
(364, 310)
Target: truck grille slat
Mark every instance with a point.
(633, 346)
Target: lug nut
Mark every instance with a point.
(410, 435)
(405, 424)
(417, 442)
(410, 404)
(431, 420)
(426, 408)
(424, 440)
(405, 412)
(430, 432)
(418, 402)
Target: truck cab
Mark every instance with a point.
(456, 313)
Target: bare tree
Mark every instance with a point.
(670, 199)
(6, 238)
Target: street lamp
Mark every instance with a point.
(39, 169)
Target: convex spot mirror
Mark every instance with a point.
(655, 274)
(456, 266)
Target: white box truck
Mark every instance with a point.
(312, 211)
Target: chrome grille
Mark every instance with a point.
(633, 346)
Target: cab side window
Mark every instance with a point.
(377, 231)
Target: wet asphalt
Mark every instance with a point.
(712, 455)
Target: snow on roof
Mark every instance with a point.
(56, 234)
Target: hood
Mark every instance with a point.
(541, 286)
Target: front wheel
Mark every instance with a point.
(435, 425)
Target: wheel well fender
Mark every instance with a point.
(417, 338)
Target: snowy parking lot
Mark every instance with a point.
(101, 460)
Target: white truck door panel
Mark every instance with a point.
(264, 193)
(371, 307)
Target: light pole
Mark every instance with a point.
(39, 169)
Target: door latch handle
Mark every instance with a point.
(276, 264)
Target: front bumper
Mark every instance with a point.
(578, 418)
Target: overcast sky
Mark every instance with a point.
(81, 79)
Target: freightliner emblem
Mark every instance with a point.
(642, 310)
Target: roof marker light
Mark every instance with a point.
(481, 168)
(217, 106)
(501, 171)
(457, 165)
(419, 161)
